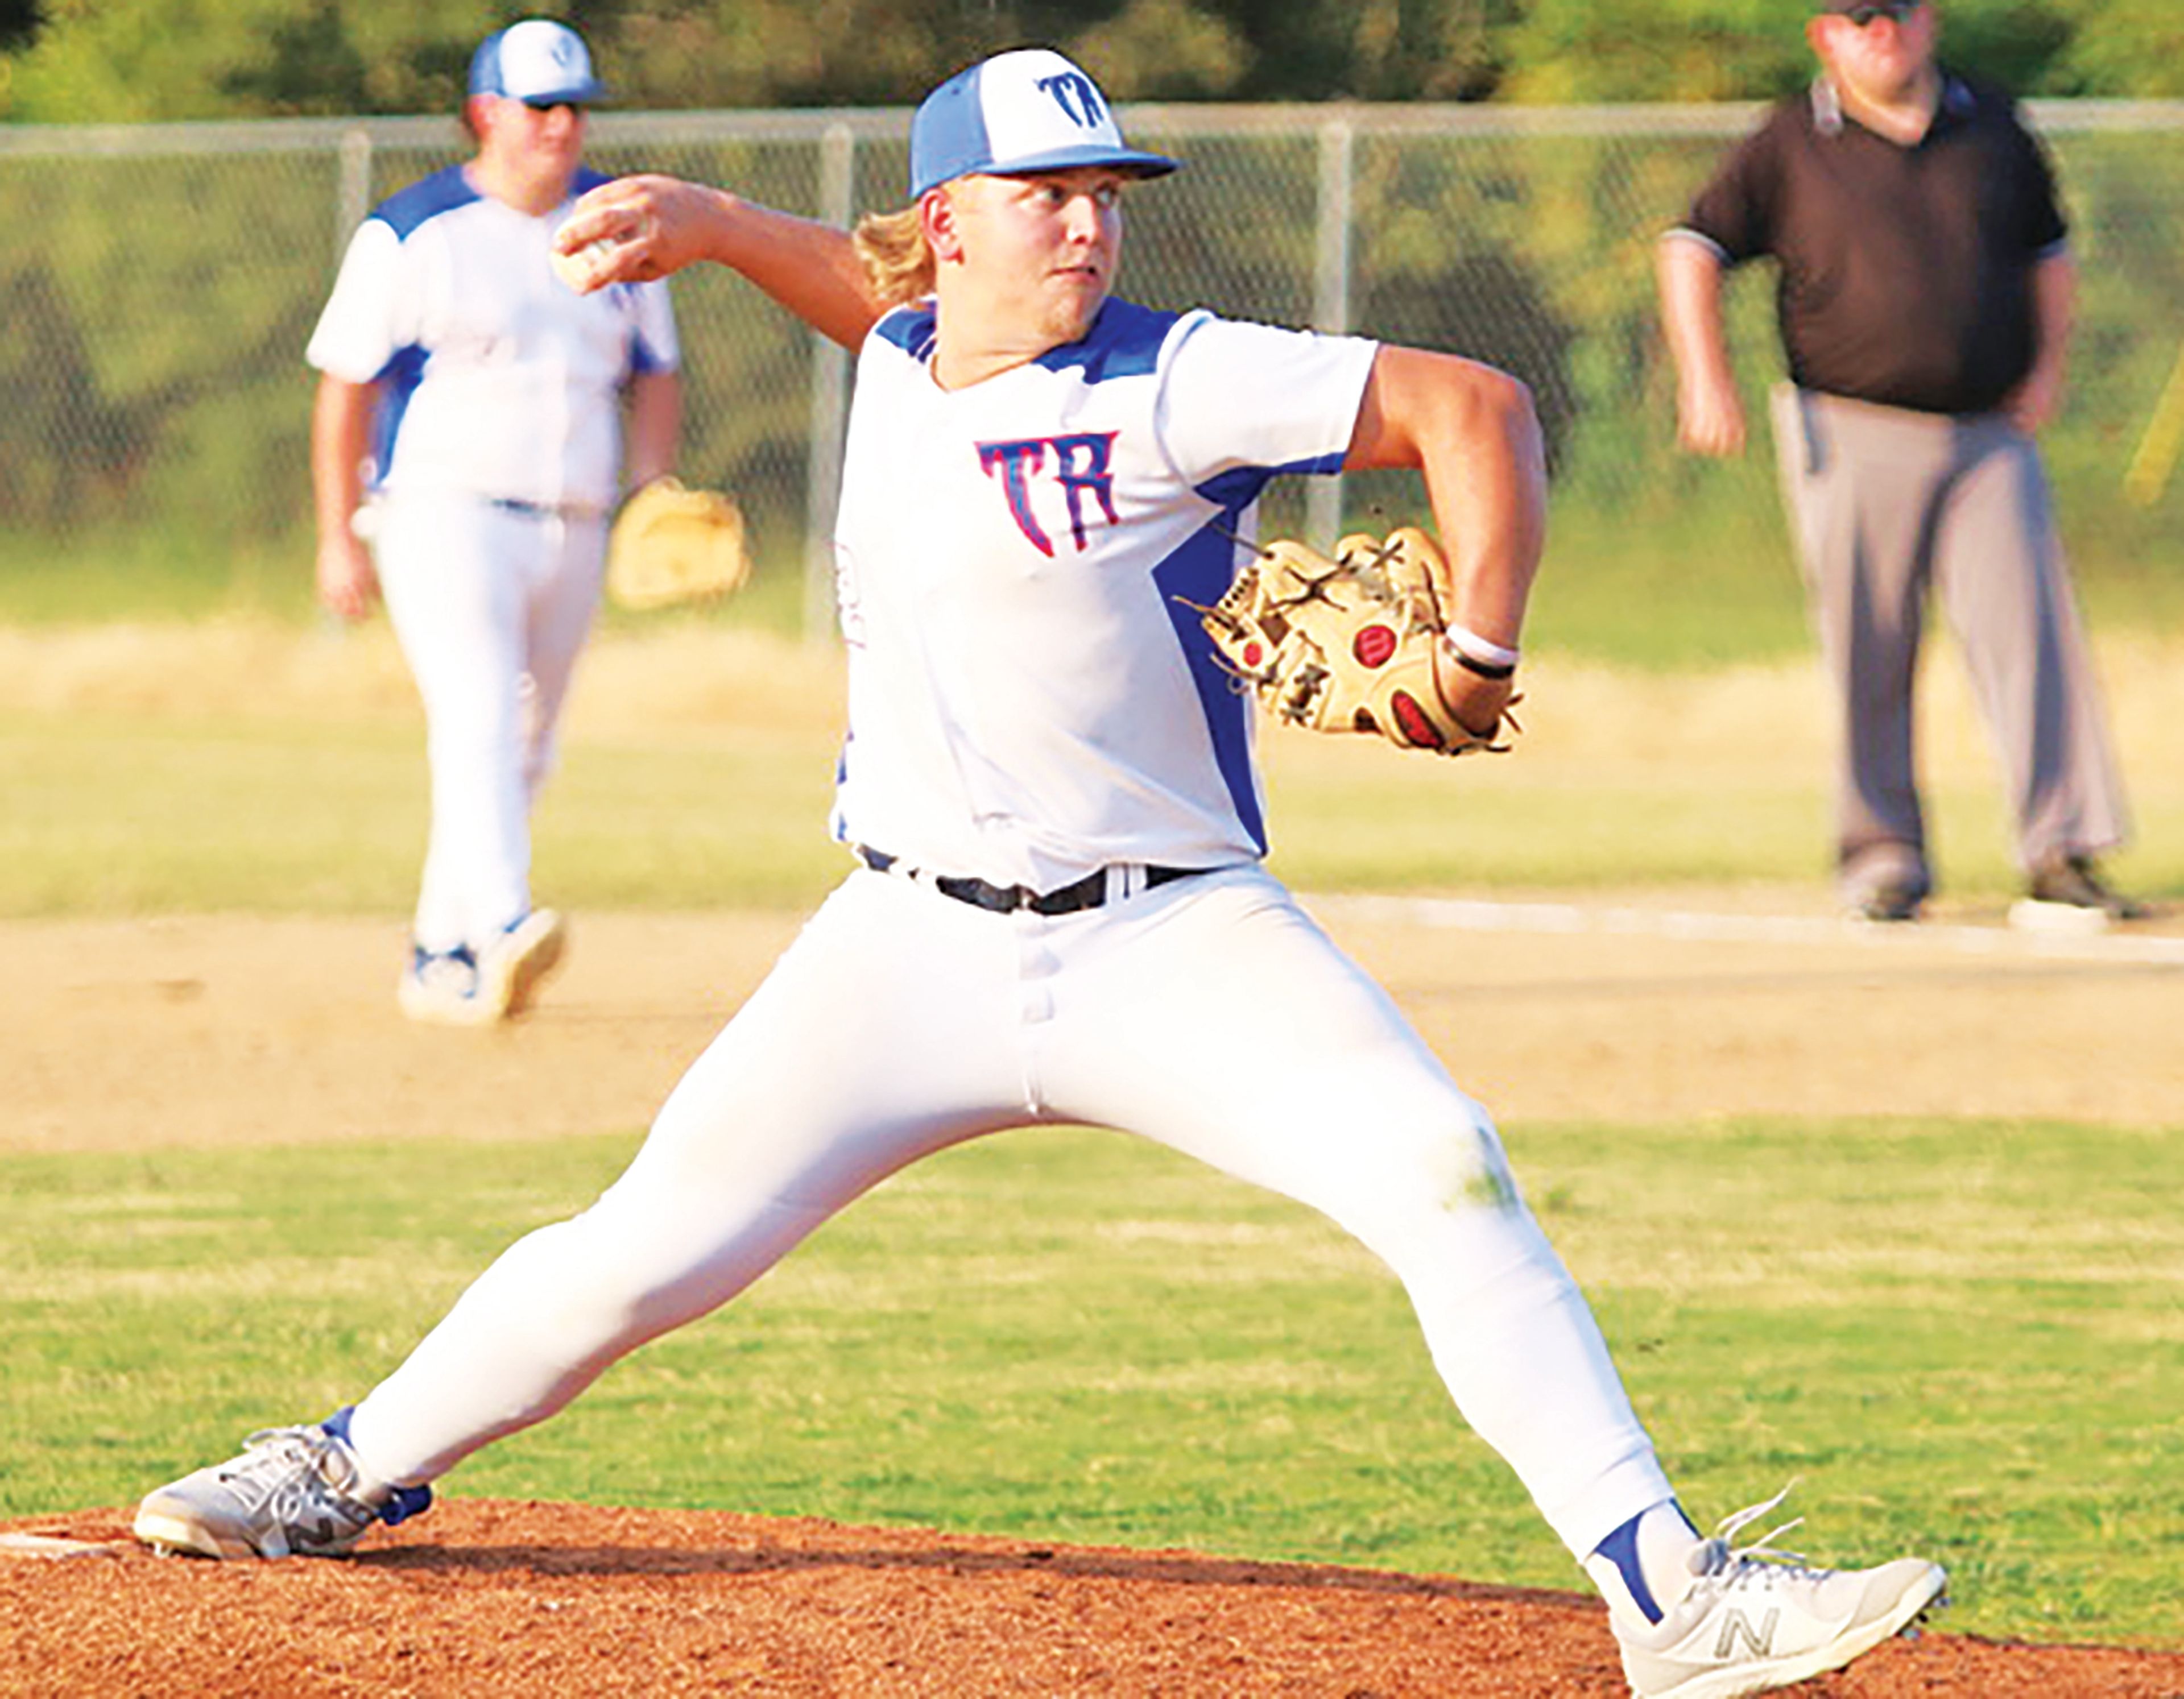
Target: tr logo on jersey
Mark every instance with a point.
(1074, 94)
(1079, 466)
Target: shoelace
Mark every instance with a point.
(272, 1456)
(276, 1451)
(1762, 1561)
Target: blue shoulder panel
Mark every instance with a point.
(1125, 342)
(912, 329)
(427, 198)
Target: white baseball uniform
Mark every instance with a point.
(496, 463)
(1034, 709)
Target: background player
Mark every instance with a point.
(1925, 298)
(478, 402)
(1060, 913)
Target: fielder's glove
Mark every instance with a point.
(671, 545)
(1349, 645)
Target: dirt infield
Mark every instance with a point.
(1640, 1008)
(491, 1597)
(1637, 1009)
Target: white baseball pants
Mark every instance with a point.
(1211, 1015)
(491, 605)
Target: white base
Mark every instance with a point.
(2064, 920)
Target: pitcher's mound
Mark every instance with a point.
(492, 1597)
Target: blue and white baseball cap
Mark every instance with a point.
(1018, 112)
(539, 61)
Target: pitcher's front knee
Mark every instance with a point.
(1467, 1169)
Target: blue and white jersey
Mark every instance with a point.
(498, 380)
(1030, 692)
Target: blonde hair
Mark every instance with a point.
(899, 262)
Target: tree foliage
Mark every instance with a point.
(108, 61)
(20, 21)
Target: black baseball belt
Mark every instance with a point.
(535, 509)
(1087, 893)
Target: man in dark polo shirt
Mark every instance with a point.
(1924, 296)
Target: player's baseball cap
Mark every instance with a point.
(1897, 9)
(539, 61)
(1017, 113)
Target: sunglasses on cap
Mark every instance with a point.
(1896, 11)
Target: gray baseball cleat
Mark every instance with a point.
(1757, 1618)
(294, 1491)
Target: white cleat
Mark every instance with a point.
(294, 1491)
(1756, 1620)
(466, 987)
(445, 989)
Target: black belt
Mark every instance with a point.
(1087, 893)
(534, 509)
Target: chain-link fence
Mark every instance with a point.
(159, 284)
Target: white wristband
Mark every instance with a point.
(1468, 645)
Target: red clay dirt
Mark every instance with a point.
(488, 1596)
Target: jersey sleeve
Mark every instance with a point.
(1237, 396)
(1735, 214)
(358, 333)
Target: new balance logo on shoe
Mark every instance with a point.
(1737, 1628)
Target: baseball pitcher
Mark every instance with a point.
(1056, 911)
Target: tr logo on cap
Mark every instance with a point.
(1016, 115)
(1079, 101)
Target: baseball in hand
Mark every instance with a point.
(581, 269)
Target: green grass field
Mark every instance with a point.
(1962, 1340)
(137, 800)
(1693, 576)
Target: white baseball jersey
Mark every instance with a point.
(1031, 695)
(498, 380)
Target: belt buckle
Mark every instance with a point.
(1113, 882)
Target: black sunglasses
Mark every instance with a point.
(1896, 11)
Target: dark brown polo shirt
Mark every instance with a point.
(1905, 272)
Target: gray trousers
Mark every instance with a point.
(1886, 504)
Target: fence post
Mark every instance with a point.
(1331, 293)
(353, 192)
(830, 400)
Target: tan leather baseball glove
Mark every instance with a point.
(671, 544)
(1349, 645)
